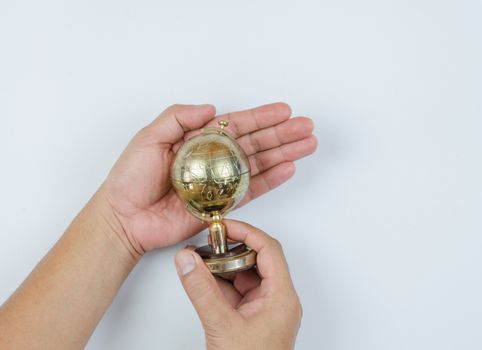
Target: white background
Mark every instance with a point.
(382, 226)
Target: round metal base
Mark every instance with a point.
(239, 257)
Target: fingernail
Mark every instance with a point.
(185, 262)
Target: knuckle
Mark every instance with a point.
(144, 134)
(173, 107)
(275, 244)
(141, 133)
(198, 289)
(295, 308)
(298, 309)
(144, 131)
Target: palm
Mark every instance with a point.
(139, 186)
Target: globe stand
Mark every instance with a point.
(211, 175)
(222, 258)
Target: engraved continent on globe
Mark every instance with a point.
(211, 174)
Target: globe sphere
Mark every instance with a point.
(210, 174)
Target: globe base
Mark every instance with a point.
(238, 257)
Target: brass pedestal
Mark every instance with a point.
(221, 257)
(238, 257)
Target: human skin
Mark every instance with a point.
(254, 309)
(136, 210)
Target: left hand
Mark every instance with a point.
(138, 188)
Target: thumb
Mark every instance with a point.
(202, 289)
(171, 125)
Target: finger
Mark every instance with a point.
(169, 127)
(252, 119)
(288, 131)
(245, 281)
(268, 180)
(289, 152)
(251, 295)
(270, 260)
(202, 288)
(230, 293)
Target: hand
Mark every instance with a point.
(257, 309)
(138, 188)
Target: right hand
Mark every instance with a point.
(257, 308)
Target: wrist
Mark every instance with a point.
(107, 223)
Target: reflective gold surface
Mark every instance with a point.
(211, 175)
(237, 258)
